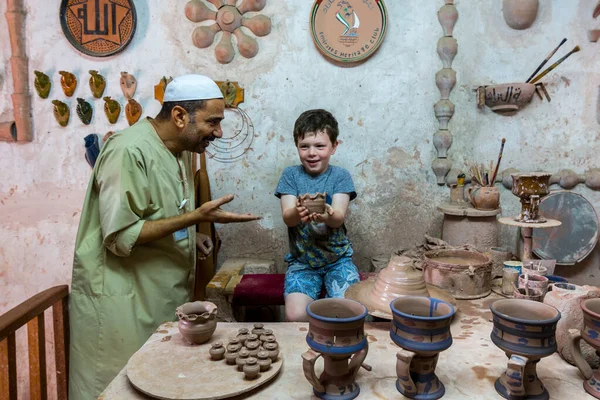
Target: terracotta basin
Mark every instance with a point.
(509, 97)
(465, 274)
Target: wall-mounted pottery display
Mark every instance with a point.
(159, 88)
(98, 28)
(507, 98)
(112, 109)
(520, 14)
(68, 82)
(84, 111)
(42, 84)
(92, 148)
(128, 84)
(61, 112)
(97, 84)
(228, 19)
(348, 31)
(133, 111)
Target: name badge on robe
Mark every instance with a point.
(181, 234)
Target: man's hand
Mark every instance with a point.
(204, 244)
(211, 212)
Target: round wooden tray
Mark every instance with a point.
(172, 369)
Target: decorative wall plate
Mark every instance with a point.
(348, 31)
(98, 28)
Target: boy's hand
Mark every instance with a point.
(323, 217)
(302, 212)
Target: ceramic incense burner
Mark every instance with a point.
(525, 331)
(336, 333)
(421, 328)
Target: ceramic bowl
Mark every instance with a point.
(509, 97)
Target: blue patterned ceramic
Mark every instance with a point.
(591, 334)
(421, 327)
(525, 331)
(335, 332)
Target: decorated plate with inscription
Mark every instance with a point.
(348, 31)
(98, 28)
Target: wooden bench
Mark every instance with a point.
(31, 312)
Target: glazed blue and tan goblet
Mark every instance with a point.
(421, 327)
(525, 331)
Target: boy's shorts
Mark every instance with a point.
(337, 277)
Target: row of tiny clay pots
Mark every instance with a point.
(112, 109)
(68, 82)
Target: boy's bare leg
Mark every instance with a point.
(295, 307)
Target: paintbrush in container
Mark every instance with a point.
(597, 10)
(498, 165)
(546, 60)
(556, 64)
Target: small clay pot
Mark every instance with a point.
(241, 359)
(314, 203)
(252, 338)
(234, 343)
(271, 339)
(197, 321)
(251, 368)
(243, 335)
(258, 329)
(484, 197)
(273, 350)
(231, 357)
(263, 338)
(264, 361)
(217, 351)
(253, 348)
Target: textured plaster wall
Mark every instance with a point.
(384, 107)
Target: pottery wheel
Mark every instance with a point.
(173, 369)
(362, 290)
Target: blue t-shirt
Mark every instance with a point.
(315, 243)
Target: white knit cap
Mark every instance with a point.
(192, 87)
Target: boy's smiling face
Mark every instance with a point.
(314, 151)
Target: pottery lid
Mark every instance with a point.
(575, 239)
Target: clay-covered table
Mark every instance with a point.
(468, 369)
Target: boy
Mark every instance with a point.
(320, 252)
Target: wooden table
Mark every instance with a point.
(468, 369)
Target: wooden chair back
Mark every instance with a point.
(31, 312)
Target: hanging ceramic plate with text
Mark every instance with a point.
(348, 31)
(98, 28)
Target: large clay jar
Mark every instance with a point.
(197, 321)
(520, 14)
(524, 330)
(421, 328)
(591, 334)
(567, 298)
(336, 333)
(484, 197)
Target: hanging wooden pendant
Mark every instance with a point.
(42, 84)
(133, 111)
(84, 111)
(97, 84)
(68, 82)
(128, 84)
(112, 109)
(61, 112)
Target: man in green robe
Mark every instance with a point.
(135, 251)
